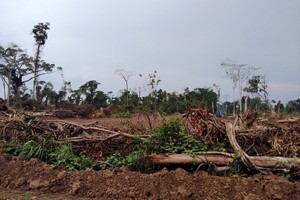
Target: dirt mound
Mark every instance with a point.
(41, 180)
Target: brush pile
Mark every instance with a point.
(263, 143)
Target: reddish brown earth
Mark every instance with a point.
(21, 179)
(40, 180)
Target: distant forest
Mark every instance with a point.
(17, 69)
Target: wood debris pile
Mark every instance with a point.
(263, 143)
(92, 139)
(258, 136)
(205, 126)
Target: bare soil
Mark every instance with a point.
(33, 179)
(41, 181)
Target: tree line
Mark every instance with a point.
(17, 69)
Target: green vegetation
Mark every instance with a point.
(168, 138)
(17, 68)
(121, 115)
(57, 156)
(31, 149)
(64, 155)
(237, 166)
(172, 138)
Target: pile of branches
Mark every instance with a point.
(93, 139)
(205, 126)
(272, 144)
(68, 110)
(258, 136)
(262, 145)
(271, 136)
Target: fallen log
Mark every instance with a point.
(260, 163)
(224, 159)
(290, 120)
(219, 158)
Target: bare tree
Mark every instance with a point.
(125, 75)
(238, 73)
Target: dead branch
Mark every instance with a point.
(94, 138)
(236, 147)
(98, 138)
(291, 120)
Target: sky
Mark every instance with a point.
(185, 41)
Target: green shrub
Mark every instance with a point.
(168, 138)
(121, 115)
(64, 155)
(32, 149)
(172, 138)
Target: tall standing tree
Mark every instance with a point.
(48, 95)
(258, 85)
(40, 35)
(154, 80)
(17, 68)
(8, 58)
(125, 75)
(14, 64)
(238, 73)
(89, 89)
(293, 106)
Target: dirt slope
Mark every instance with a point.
(19, 176)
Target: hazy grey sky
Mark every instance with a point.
(184, 40)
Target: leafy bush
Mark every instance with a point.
(32, 149)
(61, 155)
(64, 155)
(168, 138)
(121, 115)
(172, 138)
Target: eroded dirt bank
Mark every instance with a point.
(17, 174)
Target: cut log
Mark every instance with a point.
(219, 158)
(259, 163)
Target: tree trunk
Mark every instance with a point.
(4, 87)
(126, 81)
(240, 90)
(218, 158)
(259, 163)
(224, 159)
(246, 104)
(8, 101)
(36, 67)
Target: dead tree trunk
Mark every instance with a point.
(261, 163)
